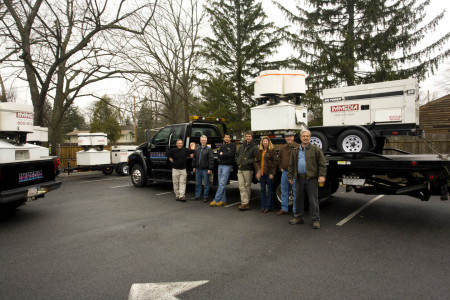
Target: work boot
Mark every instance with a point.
(213, 203)
(296, 221)
(243, 207)
(316, 225)
(281, 212)
(220, 203)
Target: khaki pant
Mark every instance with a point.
(245, 185)
(179, 182)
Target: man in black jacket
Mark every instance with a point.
(177, 157)
(203, 164)
(227, 157)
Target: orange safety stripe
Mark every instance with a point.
(281, 74)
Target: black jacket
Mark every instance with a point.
(179, 157)
(206, 159)
(229, 154)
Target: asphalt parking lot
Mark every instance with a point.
(98, 237)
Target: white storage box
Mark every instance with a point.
(93, 157)
(16, 117)
(281, 116)
(382, 102)
(39, 134)
(270, 83)
(99, 139)
(294, 83)
(10, 151)
(84, 139)
(120, 153)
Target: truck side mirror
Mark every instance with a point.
(147, 136)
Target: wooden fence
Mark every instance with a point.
(440, 142)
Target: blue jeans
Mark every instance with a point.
(201, 175)
(223, 174)
(266, 192)
(285, 192)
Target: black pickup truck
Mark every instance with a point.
(25, 180)
(149, 162)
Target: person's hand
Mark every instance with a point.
(193, 170)
(270, 176)
(221, 153)
(171, 160)
(209, 172)
(291, 181)
(321, 179)
(258, 176)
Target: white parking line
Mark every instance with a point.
(163, 193)
(119, 186)
(358, 210)
(88, 181)
(236, 203)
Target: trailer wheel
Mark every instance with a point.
(124, 169)
(138, 176)
(353, 140)
(319, 139)
(108, 170)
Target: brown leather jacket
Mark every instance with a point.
(270, 162)
(285, 154)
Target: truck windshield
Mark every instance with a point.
(205, 130)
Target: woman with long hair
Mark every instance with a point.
(265, 168)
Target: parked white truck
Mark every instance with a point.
(27, 172)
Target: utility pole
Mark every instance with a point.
(134, 119)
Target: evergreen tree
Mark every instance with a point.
(144, 121)
(240, 45)
(104, 119)
(72, 118)
(362, 41)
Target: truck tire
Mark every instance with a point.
(278, 198)
(138, 176)
(319, 139)
(353, 140)
(108, 170)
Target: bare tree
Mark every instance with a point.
(167, 58)
(63, 46)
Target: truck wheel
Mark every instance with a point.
(138, 176)
(278, 197)
(107, 171)
(353, 140)
(124, 170)
(319, 139)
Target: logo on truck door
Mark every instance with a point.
(348, 107)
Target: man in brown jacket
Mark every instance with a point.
(308, 166)
(283, 162)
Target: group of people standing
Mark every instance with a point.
(302, 167)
